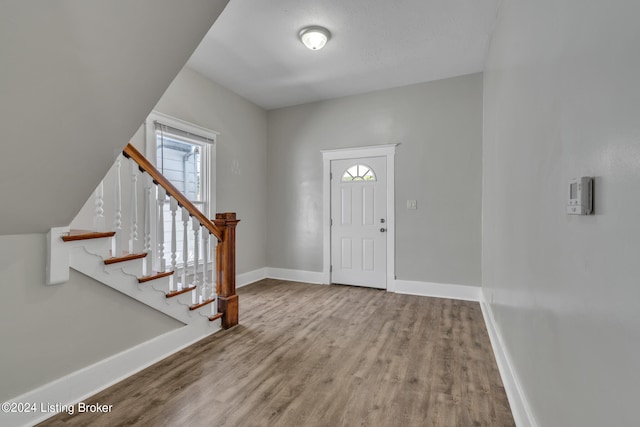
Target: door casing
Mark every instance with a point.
(386, 150)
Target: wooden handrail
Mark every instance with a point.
(131, 152)
(223, 227)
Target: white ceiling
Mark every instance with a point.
(253, 48)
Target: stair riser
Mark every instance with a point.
(99, 247)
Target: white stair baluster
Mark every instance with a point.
(214, 304)
(146, 261)
(214, 295)
(185, 247)
(116, 242)
(162, 195)
(173, 205)
(98, 217)
(205, 261)
(196, 256)
(134, 206)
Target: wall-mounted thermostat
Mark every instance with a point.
(580, 196)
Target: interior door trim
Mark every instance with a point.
(386, 150)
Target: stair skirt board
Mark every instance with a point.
(88, 381)
(124, 278)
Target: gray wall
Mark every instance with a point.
(439, 126)
(562, 100)
(51, 331)
(78, 78)
(241, 155)
(240, 165)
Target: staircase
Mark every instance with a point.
(197, 288)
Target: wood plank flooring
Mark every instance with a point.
(313, 355)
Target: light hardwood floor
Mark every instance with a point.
(313, 355)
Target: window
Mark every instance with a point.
(358, 173)
(184, 153)
(180, 159)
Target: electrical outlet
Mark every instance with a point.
(412, 204)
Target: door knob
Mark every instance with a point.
(382, 230)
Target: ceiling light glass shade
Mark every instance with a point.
(315, 37)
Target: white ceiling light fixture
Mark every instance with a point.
(314, 37)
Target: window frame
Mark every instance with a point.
(208, 159)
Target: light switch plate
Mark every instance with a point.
(412, 204)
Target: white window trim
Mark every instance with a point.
(210, 176)
(386, 150)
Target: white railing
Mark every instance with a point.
(192, 267)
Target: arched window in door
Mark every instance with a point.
(358, 172)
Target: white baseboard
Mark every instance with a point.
(520, 408)
(438, 290)
(295, 275)
(249, 277)
(88, 381)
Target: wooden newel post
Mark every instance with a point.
(226, 269)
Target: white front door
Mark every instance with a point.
(358, 222)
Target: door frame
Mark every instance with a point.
(386, 150)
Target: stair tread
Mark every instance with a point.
(124, 258)
(154, 276)
(215, 317)
(86, 235)
(182, 291)
(202, 304)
